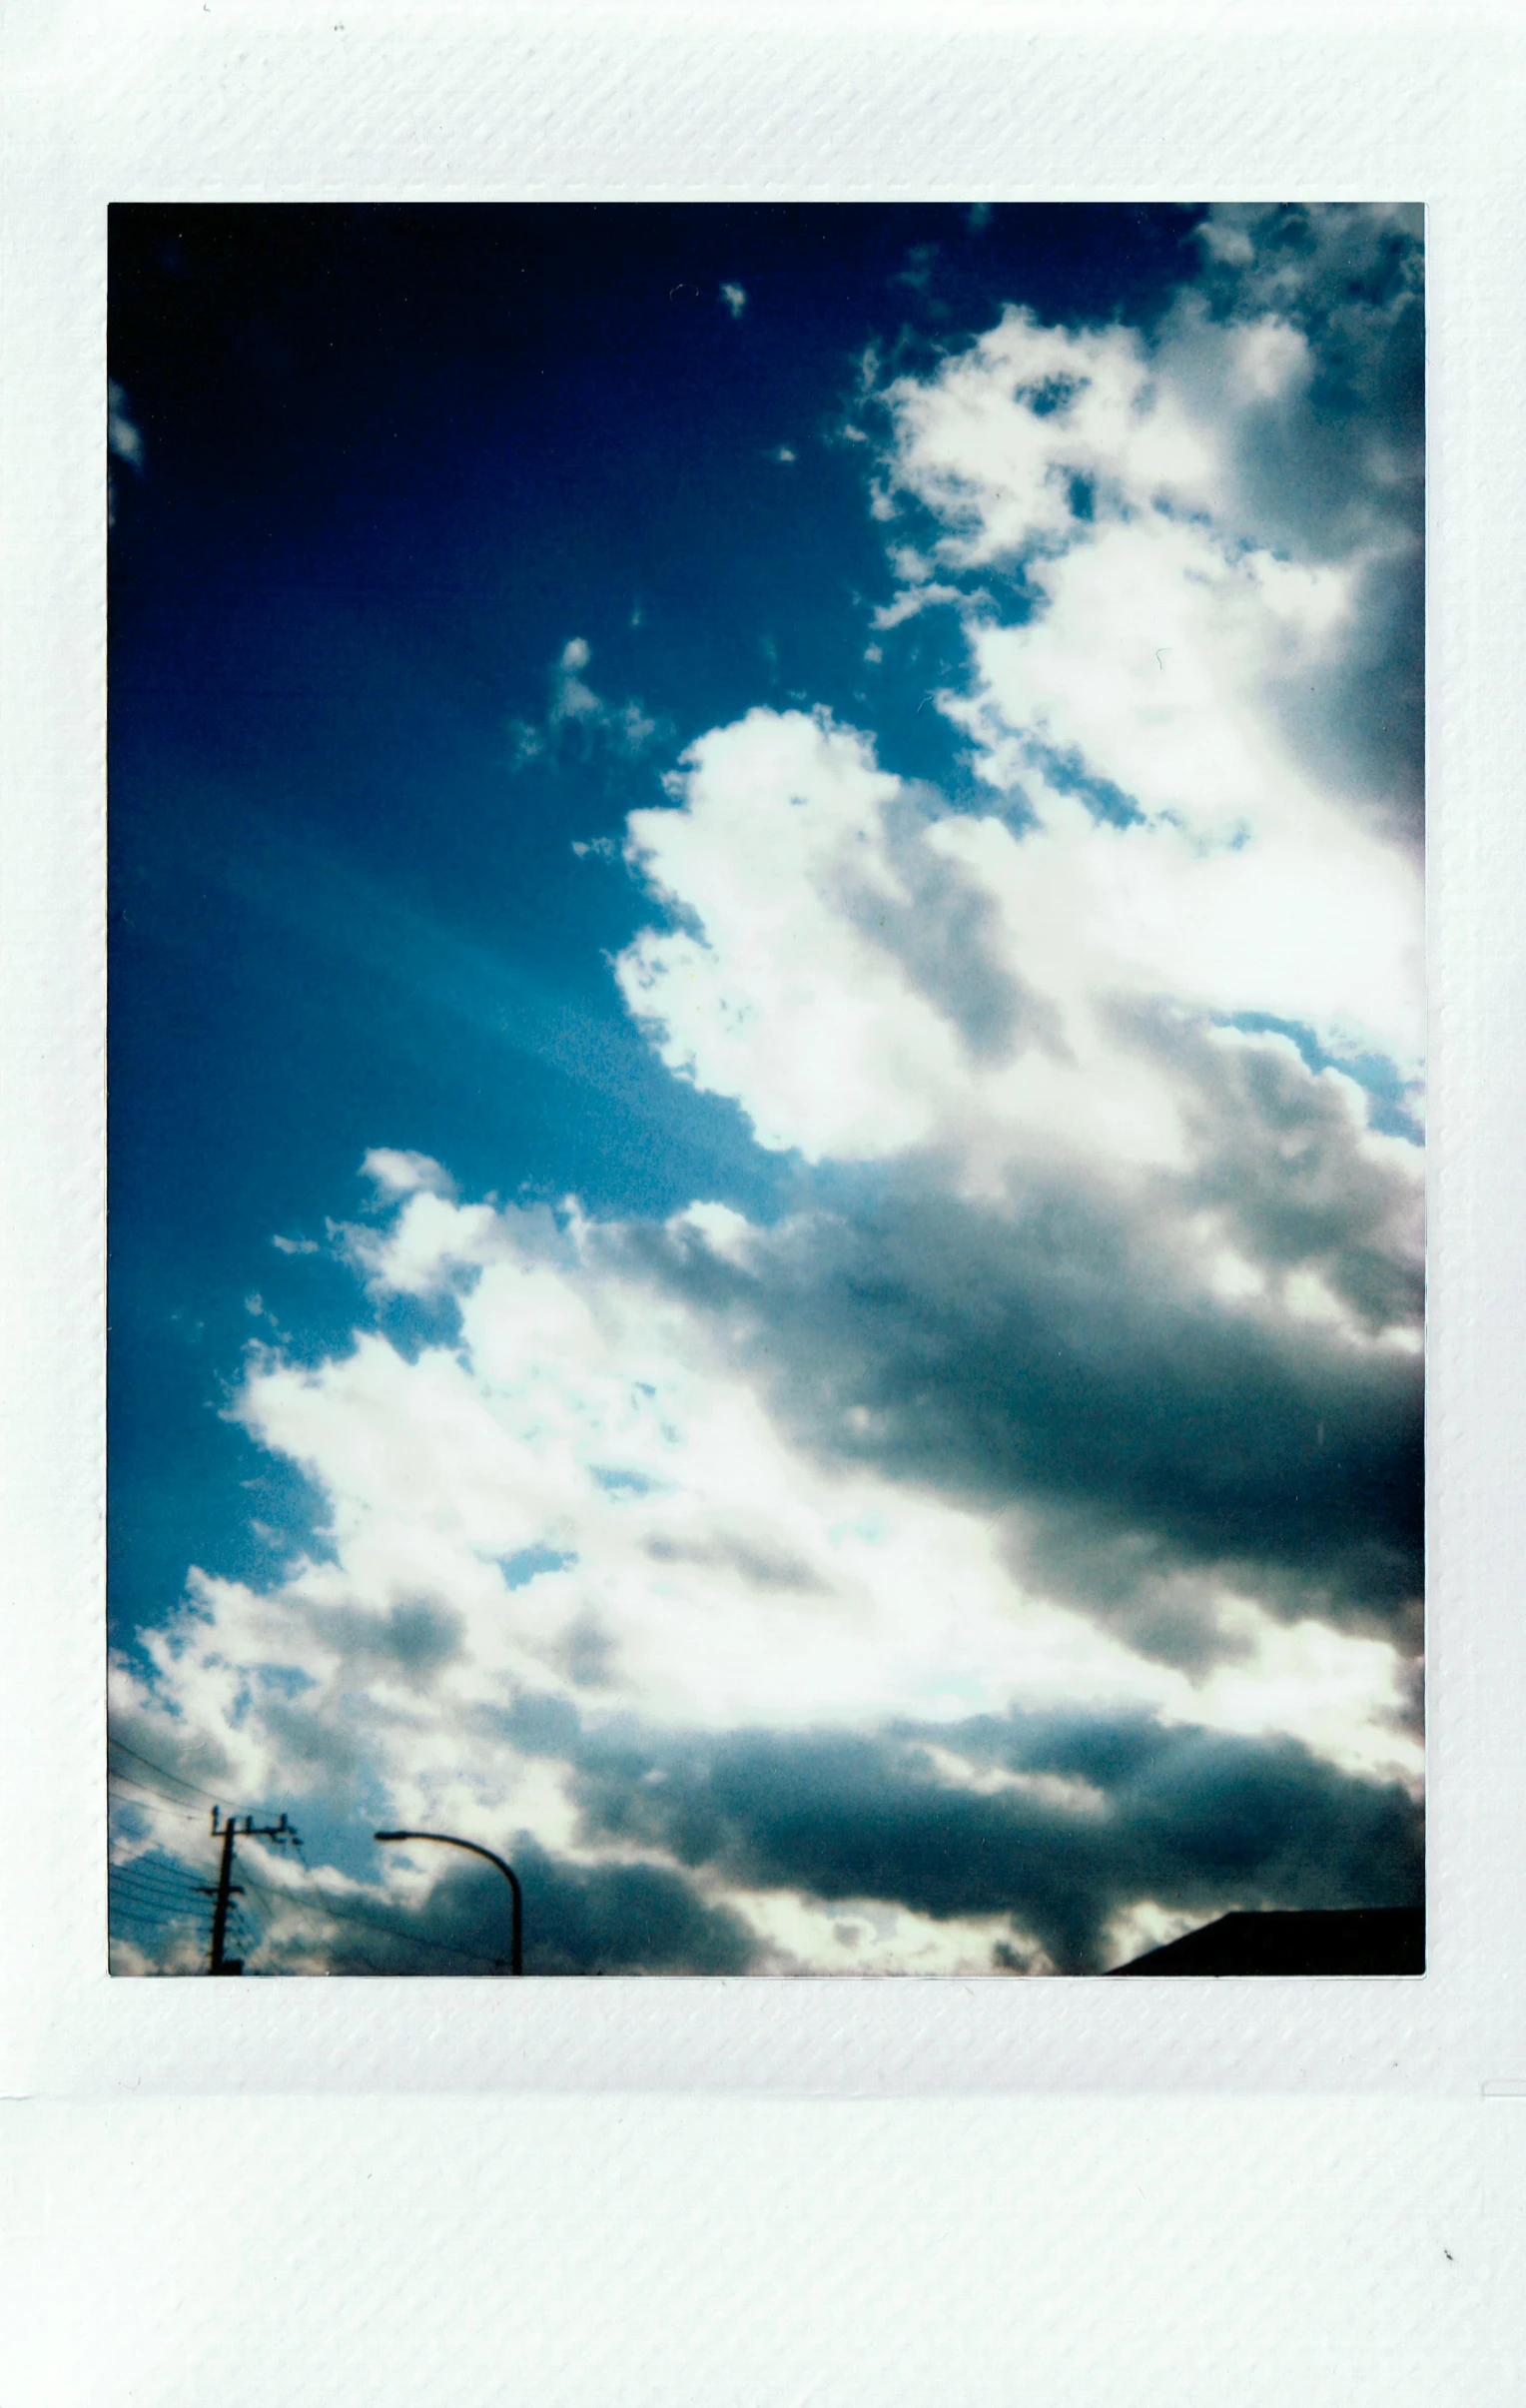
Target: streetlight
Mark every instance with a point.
(443, 1839)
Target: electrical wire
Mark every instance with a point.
(149, 1801)
(173, 1906)
(159, 1894)
(158, 1858)
(158, 1861)
(163, 1912)
(162, 1769)
(160, 1873)
(169, 1850)
(151, 1901)
(372, 1922)
(136, 1919)
(162, 1804)
(156, 1916)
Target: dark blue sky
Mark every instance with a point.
(394, 460)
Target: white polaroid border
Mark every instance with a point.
(194, 100)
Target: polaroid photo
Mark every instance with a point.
(766, 1064)
(765, 1049)
(739, 1397)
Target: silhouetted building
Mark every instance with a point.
(1354, 1940)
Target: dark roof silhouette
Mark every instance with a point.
(1353, 1940)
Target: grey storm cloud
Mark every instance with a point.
(578, 1918)
(418, 1638)
(1334, 466)
(1283, 1159)
(1341, 457)
(1048, 1353)
(1205, 1819)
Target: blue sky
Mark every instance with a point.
(765, 1061)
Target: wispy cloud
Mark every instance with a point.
(579, 720)
(122, 434)
(124, 441)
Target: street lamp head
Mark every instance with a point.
(476, 1848)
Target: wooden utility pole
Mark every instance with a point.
(228, 1888)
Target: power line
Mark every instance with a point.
(163, 1848)
(188, 1899)
(163, 1901)
(314, 1904)
(148, 1761)
(159, 1926)
(393, 1930)
(138, 1792)
(158, 1877)
(135, 1923)
(160, 1848)
(134, 1902)
(156, 1858)
(161, 1909)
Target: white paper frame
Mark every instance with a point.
(185, 100)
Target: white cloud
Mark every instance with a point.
(839, 954)
(397, 1173)
(1146, 671)
(775, 812)
(592, 1459)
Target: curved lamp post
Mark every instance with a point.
(444, 1839)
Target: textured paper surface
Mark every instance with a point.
(707, 2248)
(1068, 2254)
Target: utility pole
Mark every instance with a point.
(228, 1888)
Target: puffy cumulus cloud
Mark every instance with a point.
(1331, 455)
(1334, 470)
(1228, 511)
(869, 973)
(1013, 1553)
(834, 968)
(395, 1172)
(589, 1549)
(1060, 1356)
(1148, 1274)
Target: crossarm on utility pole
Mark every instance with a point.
(228, 1888)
